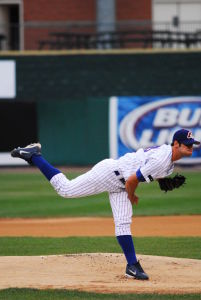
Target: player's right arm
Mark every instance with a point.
(131, 185)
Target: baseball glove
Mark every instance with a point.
(169, 184)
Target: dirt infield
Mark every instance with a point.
(141, 226)
(102, 273)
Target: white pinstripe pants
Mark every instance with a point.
(100, 178)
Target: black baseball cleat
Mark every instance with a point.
(136, 271)
(27, 152)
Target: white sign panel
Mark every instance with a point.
(7, 79)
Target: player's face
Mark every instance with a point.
(186, 150)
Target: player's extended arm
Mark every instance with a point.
(131, 185)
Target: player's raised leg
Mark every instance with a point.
(84, 185)
(122, 213)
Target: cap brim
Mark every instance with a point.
(191, 142)
(196, 142)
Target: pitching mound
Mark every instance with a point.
(103, 273)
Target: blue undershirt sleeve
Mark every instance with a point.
(139, 175)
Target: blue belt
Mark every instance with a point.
(122, 179)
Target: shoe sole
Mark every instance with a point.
(38, 145)
(133, 277)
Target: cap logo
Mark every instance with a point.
(189, 135)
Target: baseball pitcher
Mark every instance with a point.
(120, 178)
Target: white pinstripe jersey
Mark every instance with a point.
(155, 162)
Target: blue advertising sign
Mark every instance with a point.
(141, 122)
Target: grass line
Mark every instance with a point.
(33, 294)
(184, 247)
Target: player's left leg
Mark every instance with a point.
(122, 213)
(81, 186)
(100, 178)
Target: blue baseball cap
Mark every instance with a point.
(185, 137)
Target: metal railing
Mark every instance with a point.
(120, 40)
(87, 35)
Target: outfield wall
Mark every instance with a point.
(74, 131)
(70, 92)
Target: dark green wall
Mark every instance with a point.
(74, 131)
(71, 93)
(62, 77)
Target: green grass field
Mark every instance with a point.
(30, 195)
(185, 247)
(31, 294)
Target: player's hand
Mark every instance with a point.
(131, 185)
(134, 199)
